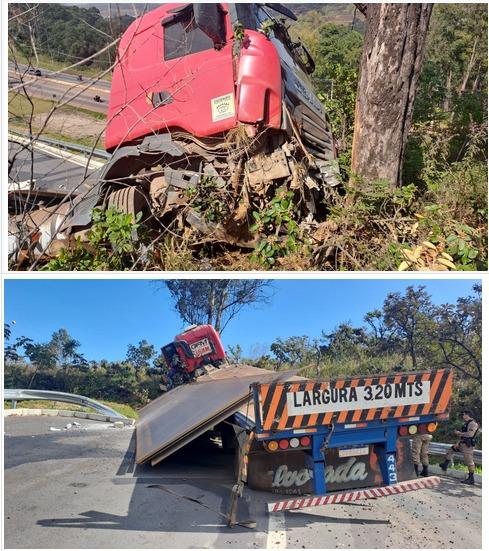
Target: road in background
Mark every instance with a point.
(73, 79)
(52, 174)
(62, 88)
(81, 489)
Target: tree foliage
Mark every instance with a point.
(63, 32)
(216, 301)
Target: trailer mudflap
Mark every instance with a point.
(354, 495)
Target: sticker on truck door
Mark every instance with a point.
(223, 107)
(201, 348)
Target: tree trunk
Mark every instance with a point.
(391, 63)
(468, 69)
(33, 43)
(447, 102)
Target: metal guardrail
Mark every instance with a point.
(439, 448)
(99, 153)
(16, 394)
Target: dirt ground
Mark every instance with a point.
(72, 125)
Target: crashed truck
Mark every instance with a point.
(314, 441)
(211, 114)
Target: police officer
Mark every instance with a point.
(419, 450)
(465, 445)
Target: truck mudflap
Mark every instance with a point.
(290, 472)
(355, 495)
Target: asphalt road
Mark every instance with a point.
(52, 174)
(61, 76)
(81, 489)
(62, 88)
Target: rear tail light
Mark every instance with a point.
(294, 443)
(403, 431)
(422, 429)
(413, 429)
(432, 427)
(272, 445)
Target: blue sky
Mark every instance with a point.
(107, 315)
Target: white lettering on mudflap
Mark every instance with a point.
(362, 397)
(350, 471)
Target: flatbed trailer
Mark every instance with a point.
(347, 417)
(297, 436)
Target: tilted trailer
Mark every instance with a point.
(315, 441)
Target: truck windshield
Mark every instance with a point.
(182, 37)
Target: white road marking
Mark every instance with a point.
(277, 534)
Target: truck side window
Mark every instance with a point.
(181, 37)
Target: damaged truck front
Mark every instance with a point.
(212, 114)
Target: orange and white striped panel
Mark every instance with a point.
(295, 405)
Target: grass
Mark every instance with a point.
(123, 409)
(46, 62)
(437, 459)
(19, 112)
(20, 107)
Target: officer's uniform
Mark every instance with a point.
(419, 450)
(466, 444)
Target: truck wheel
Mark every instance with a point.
(130, 200)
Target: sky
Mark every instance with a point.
(106, 315)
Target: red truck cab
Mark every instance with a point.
(197, 346)
(186, 68)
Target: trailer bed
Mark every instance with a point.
(186, 412)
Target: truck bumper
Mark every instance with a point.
(344, 497)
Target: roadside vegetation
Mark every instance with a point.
(437, 459)
(123, 409)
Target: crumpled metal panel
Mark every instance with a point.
(181, 415)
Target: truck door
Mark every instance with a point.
(172, 75)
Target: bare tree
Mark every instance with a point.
(216, 301)
(391, 64)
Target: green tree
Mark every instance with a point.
(459, 334)
(339, 50)
(60, 353)
(216, 301)
(409, 318)
(140, 356)
(293, 351)
(235, 354)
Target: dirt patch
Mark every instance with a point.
(72, 125)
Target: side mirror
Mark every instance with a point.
(305, 58)
(210, 19)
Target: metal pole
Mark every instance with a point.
(387, 456)
(319, 466)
